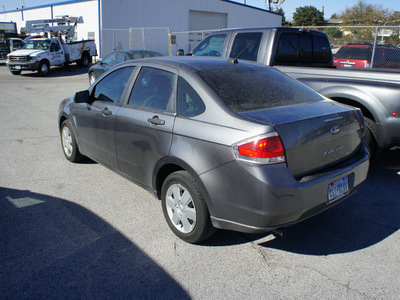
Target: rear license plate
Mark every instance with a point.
(338, 189)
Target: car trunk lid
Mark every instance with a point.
(315, 135)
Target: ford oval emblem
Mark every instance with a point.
(335, 129)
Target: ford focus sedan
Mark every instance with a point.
(223, 144)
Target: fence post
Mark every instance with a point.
(169, 42)
(143, 40)
(130, 38)
(373, 49)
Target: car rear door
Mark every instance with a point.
(143, 130)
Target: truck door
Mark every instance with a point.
(56, 54)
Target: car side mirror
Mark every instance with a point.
(82, 97)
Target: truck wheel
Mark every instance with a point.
(84, 61)
(371, 137)
(16, 72)
(43, 68)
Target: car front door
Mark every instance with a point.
(143, 133)
(96, 121)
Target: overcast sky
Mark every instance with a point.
(289, 6)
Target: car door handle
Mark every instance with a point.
(156, 121)
(106, 112)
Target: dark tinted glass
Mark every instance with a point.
(354, 53)
(288, 48)
(306, 48)
(322, 49)
(245, 89)
(112, 86)
(153, 89)
(246, 46)
(211, 46)
(189, 102)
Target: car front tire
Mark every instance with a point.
(68, 143)
(185, 209)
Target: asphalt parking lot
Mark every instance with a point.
(80, 231)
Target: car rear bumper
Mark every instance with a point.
(259, 198)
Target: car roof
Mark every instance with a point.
(197, 63)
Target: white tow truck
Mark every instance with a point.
(56, 47)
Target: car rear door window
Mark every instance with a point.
(211, 46)
(246, 46)
(288, 49)
(153, 89)
(189, 102)
(111, 87)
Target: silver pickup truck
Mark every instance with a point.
(306, 56)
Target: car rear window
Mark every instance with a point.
(245, 89)
(354, 53)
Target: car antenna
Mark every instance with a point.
(235, 61)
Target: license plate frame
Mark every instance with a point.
(338, 189)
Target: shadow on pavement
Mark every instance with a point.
(366, 218)
(52, 248)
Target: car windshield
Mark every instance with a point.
(38, 44)
(245, 89)
(354, 53)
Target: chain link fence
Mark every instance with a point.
(364, 46)
(153, 38)
(352, 46)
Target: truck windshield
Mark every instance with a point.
(38, 44)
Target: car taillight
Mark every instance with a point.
(266, 149)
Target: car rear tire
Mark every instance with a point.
(68, 143)
(44, 68)
(185, 209)
(15, 72)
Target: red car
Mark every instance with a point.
(360, 56)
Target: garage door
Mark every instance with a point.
(200, 20)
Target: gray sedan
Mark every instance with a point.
(222, 143)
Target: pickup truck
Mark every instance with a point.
(39, 54)
(306, 56)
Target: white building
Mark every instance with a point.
(159, 25)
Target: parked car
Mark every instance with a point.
(360, 56)
(222, 143)
(115, 58)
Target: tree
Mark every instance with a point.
(308, 16)
(280, 11)
(364, 14)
